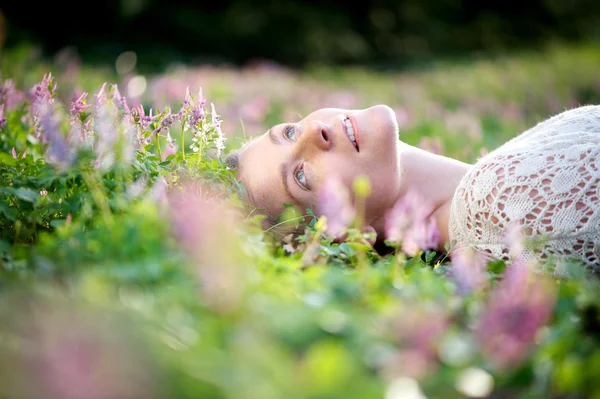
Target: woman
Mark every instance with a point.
(545, 181)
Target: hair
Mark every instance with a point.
(271, 224)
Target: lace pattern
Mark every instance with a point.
(547, 180)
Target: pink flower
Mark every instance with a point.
(468, 270)
(206, 230)
(418, 331)
(3, 119)
(9, 95)
(71, 352)
(79, 105)
(518, 307)
(410, 222)
(334, 202)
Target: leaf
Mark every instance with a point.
(24, 194)
(429, 256)
(497, 267)
(347, 249)
(7, 159)
(4, 247)
(8, 212)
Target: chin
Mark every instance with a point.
(382, 132)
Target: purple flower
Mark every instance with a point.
(3, 119)
(165, 122)
(58, 151)
(42, 104)
(206, 228)
(79, 105)
(192, 109)
(72, 352)
(418, 331)
(517, 308)
(514, 239)
(334, 202)
(9, 95)
(410, 222)
(119, 100)
(468, 270)
(100, 96)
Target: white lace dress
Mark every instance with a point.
(547, 182)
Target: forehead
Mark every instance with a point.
(259, 171)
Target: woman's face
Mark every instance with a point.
(290, 162)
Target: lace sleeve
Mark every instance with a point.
(547, 180)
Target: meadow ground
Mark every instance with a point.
(131, 269)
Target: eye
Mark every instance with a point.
(290, 133)
(301, 177)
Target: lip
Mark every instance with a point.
(356, 133)
(353, 123)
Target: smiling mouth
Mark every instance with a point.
(350, 132)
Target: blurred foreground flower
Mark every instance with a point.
(468, 270)
(410, 223)
(418, 330)
(335, 204)
(207, 230)
(56, 349)
(517, 308)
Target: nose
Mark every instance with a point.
(319, 134)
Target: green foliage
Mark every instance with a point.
(95, 265)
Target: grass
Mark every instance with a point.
(121, 277)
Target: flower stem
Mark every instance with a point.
(157, 139)
(183, 138)
(98, 195)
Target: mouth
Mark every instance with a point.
(351, 131)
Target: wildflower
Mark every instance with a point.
(468, 270)
(119, 100)
(9, 95)
(43, 192)
(192, 109)
(58, 151)
(418, 330)
(14, 153)
(216, 123)
(410, 222)
(165, 122)
(42, 103)
(515, 240)
(71, 354)
(106, 128)
(100, 96)
(3, 119)
(517, 308)
(78, 106)
(335, 204)
(206, 228)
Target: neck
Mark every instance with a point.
(432, 176)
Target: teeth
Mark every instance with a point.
(350, 131)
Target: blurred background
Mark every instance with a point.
(384, 33)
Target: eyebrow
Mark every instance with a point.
(272, 137)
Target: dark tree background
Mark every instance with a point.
(298, 33)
